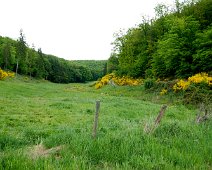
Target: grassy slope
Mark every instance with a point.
(33, 112)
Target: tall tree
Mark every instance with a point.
(7, 53)
(40, 67)
(31, 62)
(21, 54)
(176, 47)
(202, 58)
(112, 63)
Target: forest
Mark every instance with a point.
(17, 56)
(176, 43)
(98, 67)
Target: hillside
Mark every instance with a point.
(48, 126)
(97, 67)
(176, 43)
(17, 56)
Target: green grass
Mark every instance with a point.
(34, 112)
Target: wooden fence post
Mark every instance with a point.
(96, 118)
(160, 115)
(149, 129)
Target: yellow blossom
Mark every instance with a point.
(163, 92)
(121, 81)
(4, 74)
(181, 85)
(200, 78)
(196, 79)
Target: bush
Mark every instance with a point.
(197, 89)
(4, 74)
(198, 93)
(149, 83)
(120, 81)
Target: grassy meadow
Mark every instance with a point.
(49, 126)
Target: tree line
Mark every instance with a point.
(98, 67)
(176, 43)
(17, 56)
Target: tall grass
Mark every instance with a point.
(33, 112)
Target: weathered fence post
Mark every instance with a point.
(160, 115)
(149, 129)
(96, 118)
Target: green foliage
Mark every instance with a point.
(196, 90)
(203, 56)
(112, 63)
(31, 62)
(201, 11)
(95, 68)
(21, 54)
(133, 53)
(40, 67)
(149, 83)
(197, 94)
(7, 53)
(177, 44)
(174, 50)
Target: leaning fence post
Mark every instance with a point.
(149, 129)
(96, 118)
(160, 115)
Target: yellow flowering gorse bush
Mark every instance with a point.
(196, 79)
(200, 78)
(181, 85)
(120, 81)
(4, 74)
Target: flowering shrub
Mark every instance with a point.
(121, 81)
(201, 78)
(181, 85)
(163, 92)
(196, 79)
(4, 74)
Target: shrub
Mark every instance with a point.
(149, 83)
(198, 79)
(198, 93)
(4, 74)
(181, 85)
(201, 78)
(120, 81)
(197, 89)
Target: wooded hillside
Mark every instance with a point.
(98, 68)
(17, 56)
(177, 43)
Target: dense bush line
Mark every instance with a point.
(194, 90)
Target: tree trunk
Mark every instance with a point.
(16, 72)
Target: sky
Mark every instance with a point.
(73, 29)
